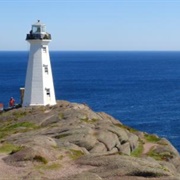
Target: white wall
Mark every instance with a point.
(37, 80)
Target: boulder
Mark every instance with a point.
(133, 141)
(124, 148)
(82, 140)
(98, 148)
(109, 139)
(31, 154)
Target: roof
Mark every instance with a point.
(39, 23)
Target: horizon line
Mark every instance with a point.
(96, 50)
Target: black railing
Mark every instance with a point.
(38, 36)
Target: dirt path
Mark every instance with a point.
(148, 146)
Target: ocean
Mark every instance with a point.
(141, 89)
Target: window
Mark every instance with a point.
(44, 49)
(45, 68)
(47, 91)
(43, 29)
(36, 29)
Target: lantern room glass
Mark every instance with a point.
(38, 29)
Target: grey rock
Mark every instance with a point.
(98, 148)
(46, 141)
(110, 140)
(82, 140)
(124, 148)
(123, 166)
(133, 141)
(120, 132)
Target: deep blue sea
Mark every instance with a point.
(141, 89)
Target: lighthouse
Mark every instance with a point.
(39, 86)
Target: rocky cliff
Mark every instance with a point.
(71, 142)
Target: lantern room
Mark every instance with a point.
(38, 28)
(38, 31)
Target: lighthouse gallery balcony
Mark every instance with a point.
(31, 36)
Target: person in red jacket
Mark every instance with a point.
(11, 102)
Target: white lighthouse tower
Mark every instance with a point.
(39, 86)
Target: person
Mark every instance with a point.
(1, 107)
(11, 102)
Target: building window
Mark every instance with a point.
(47, 92)
(46, 68)
(44, 49)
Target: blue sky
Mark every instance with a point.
(93, 25)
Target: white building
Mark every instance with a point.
(39, 86)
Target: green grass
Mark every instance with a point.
(151, 138)
(162, 142)
(12, 128)
(61, 116)
(94, 120)
(164, 156)
(13, 115)
(84, 118)
(138, 151)
(41, 108)
(5, 113)
(9, 148)
(21, 124)
(51, 167)
(87, 120)
(75, 154)
(19, 114)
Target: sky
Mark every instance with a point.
(115, 25)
